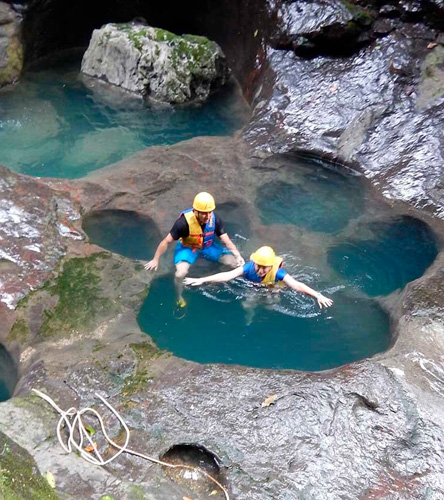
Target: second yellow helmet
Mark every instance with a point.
(204, 202)
(263, 256)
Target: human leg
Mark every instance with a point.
(182, 269)
(229, 260)
(249, 305)
(217, 253)
(183, 258)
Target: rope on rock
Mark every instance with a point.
(72, 419)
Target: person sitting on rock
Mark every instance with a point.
(264, 268)
(195, 232)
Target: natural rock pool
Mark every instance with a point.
(333, 235)
(56, 124)
(8, 374)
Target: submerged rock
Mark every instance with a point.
(156, 63)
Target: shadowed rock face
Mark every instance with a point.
(380, 109)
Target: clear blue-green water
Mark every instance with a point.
(52, 124)
(8, 374)
(125, 233)
(320, 200)
(354, 251)
(399, 251)
(290, 332)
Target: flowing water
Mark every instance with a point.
(333, 236)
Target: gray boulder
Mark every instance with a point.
(156, 63)
(11, 47)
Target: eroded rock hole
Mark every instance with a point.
(8, 374)
(123, 232)
(197, 458)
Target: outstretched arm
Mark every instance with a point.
(226, 240)
(215, 278)
(300, 287)
(153, 264)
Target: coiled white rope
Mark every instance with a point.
(72, 419)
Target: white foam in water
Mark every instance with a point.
(211, 296)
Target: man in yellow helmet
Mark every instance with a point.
(195, 232)
(265, 268)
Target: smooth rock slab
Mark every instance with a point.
(156, 63)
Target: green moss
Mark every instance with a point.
(135, 37)
(12, 70)
(164, 36)
(80, 302)
(362, 16)
(19, 477)
(137, 492)
(135, 383)
(98, 346)
(145, 352)
(23, 302)
(19, 331)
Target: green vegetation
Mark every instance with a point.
(135, 383)
(98, 346)
(19, 331)
(19, 476)
(12, 70)
(80, 301)
(362, 16)
(145, 352)
(187, 50)
(137, 492)
(432, 81)
(165, 36)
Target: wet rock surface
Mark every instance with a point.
(379, 109)
(37, 224)
(369, 430)
(366, 430)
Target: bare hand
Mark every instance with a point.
(324, 301)
(193, 281)
(152, 265)
(239, 260)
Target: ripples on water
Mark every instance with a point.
(286, 331)
(363, 256)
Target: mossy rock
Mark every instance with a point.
(20, 478)
(155, 62)
(145, 352)
(81, 303)
(20, 331)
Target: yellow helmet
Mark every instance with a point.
(204, 202)
(263, 256)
